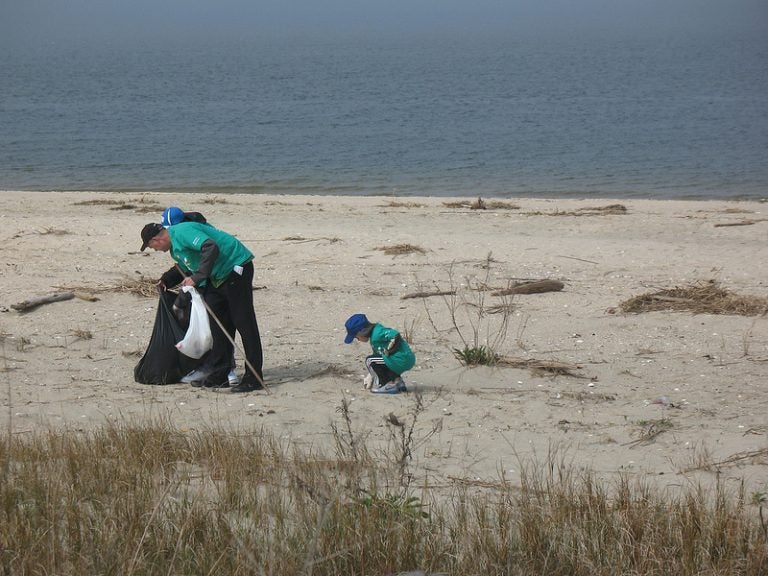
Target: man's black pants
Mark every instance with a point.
(232, 304)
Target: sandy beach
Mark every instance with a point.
(674, 397)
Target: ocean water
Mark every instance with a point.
(666, 117)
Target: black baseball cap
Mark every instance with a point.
(148, 232)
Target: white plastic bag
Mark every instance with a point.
(198, 340)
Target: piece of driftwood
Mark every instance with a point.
(35, 302)
(740, 223)
(536, 287)
(427, 294)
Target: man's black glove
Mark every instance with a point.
(171, 278)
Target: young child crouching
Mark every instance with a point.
(391, 354)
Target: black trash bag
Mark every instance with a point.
(182, 308)
(162, 363)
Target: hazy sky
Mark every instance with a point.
(37, 20)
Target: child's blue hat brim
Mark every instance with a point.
(354, 324)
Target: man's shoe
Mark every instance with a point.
(246, 387)
(213, 379)
(198, 374)
(209, 383)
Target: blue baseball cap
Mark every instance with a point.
(354, 324)
(172, 215)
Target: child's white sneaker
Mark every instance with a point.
(396, 386)
(368, 382)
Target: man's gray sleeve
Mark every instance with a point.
(209, 251)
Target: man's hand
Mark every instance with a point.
(170, 279)
(188, 282)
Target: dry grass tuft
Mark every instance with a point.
(82, 334)
(401, 249)
(215, 200)
(458, 204)
(300, 239)
(158, 500)
(603, 210)
(759, 456)
(398, 204)
(609, 210)
(99, 202)
(481, 204)
(737, 211)
(541, 367)
(141, 286)
(587, 396)
(700, 298)
(147, 209)
(650, 430)
(142, 205)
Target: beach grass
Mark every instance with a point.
(155, 499)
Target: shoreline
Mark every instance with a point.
(337, 192)
(320, 258)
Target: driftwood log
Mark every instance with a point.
(35, 302)
(740, 223)
(535, 287)
(428, 294)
